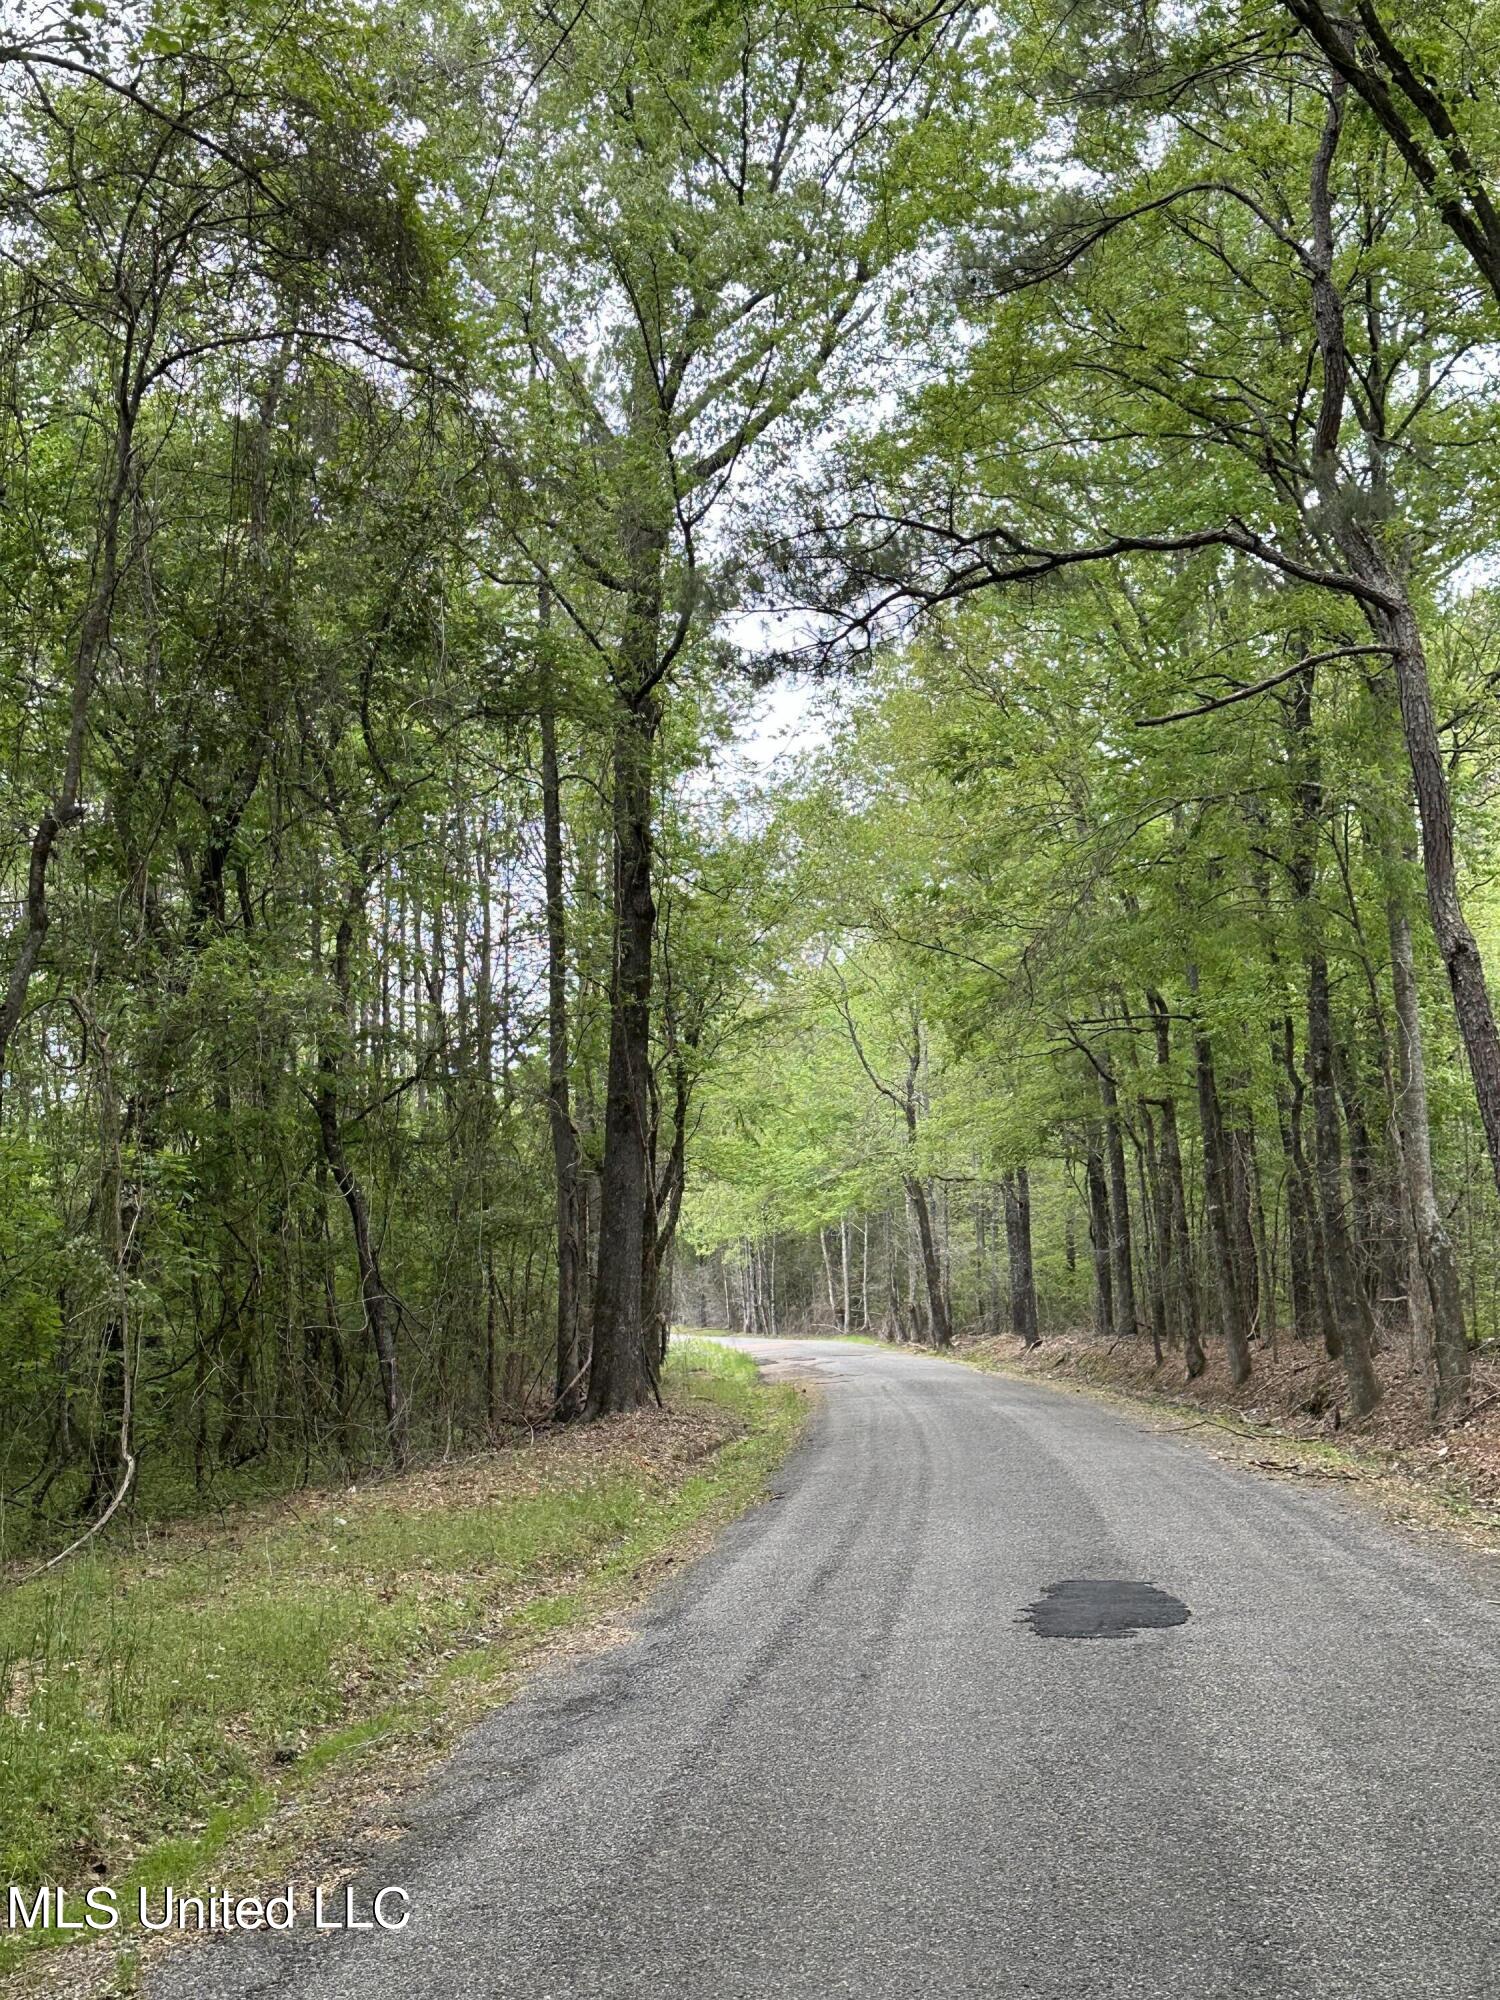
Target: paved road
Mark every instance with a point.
(837, 1761)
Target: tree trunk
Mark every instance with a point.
(943, 1333)
(864, 1274)
(1393, 624)
(491, 1344)
(1179, 1256)
(937, 1304)
(1121, 1268)
(1100, 1234)
(892, 1292)
(65, 809)
(1154, 1213)
(373, 1295)
(664, 1209)
(621, 1372)
(1239, 1189)
(1364, 1205)
(1350, 1306)
(1299, 1241)
(1216, 1198)
(1016, 1188)
(1438, 1264)
(919, 1208)
(833, 1301)
(1455, 941)
(570, 1364)
(1327, 1320)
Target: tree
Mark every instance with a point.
(713, 223)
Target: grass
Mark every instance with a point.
(157, 1700)
(165, 1489)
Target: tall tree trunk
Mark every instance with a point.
(1179, 1254)
(986, 1273)
(1239, 1191)
(65, 808)
(373, 1294)
(1264, 1267)
(1158, 1237)
(621, 1372)
(1016, 1188)
(892, 1292)
(1101, 1233)
(1393, 624)
(376, 1301)
(1122, 1273)
(1364, 1204)
(937, 1304)
(663, 1213)
(919, 1208)
(1397, 627)
(1307, 1180)
(1350, 1306)
(1305, 1324)
(1216, 1205)
(1437, 1261)
(491, 1344)
(568, 1384)
(1302, 868)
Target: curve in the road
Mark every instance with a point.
(839, 1760)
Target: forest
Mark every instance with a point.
(437, 444)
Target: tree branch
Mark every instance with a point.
(1259, 687)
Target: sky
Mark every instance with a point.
(784, 720)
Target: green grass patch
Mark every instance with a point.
(157, 1699)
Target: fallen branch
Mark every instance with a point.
(1303, 1471)
(1223, 1423)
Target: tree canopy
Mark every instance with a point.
(421, 440)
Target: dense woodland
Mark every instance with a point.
(424, 433)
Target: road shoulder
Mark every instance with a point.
(465, 1583)
(1285, 1425)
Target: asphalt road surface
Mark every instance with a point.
(838, 1759)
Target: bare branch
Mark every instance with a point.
(1259, 687)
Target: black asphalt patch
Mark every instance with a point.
(1099, 1608)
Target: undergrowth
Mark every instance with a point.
(156, 1698)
